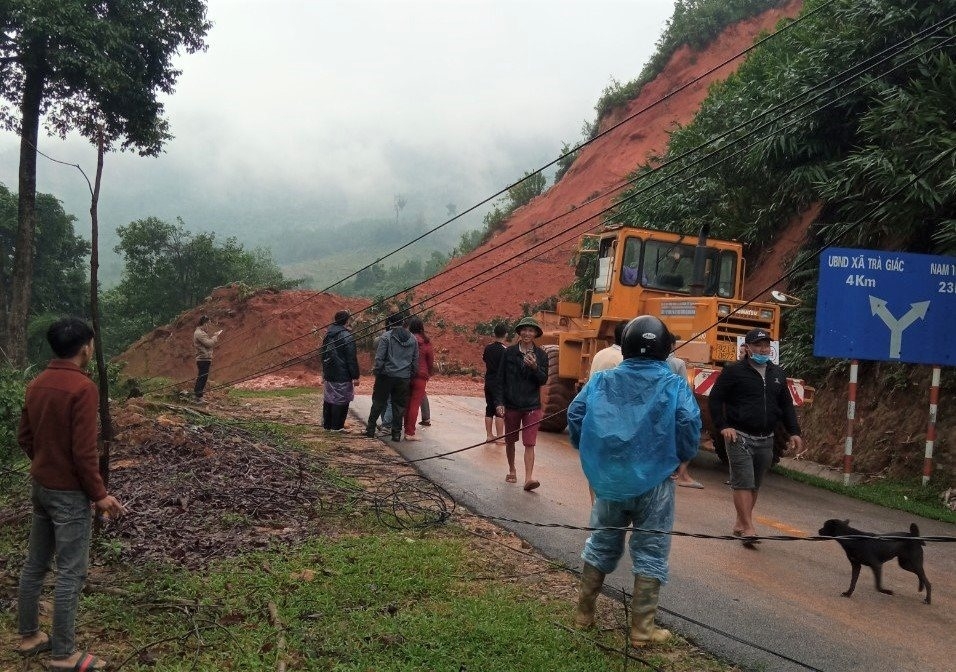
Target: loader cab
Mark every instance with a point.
(632, 262)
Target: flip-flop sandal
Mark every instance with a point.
(750, 542)
(37, 649)
(692, 484)
(87, 663)
(531, 485)
(511, 478)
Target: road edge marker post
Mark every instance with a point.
(850, 415)
(931, 425)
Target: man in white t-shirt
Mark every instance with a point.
(610, 356)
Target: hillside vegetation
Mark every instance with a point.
(847, 109)
(695, 23)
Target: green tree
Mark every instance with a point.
(849, 150)
(532, 185)
(90, 68)
(565, 161)
(168, 270)
(60, 284)
(13, 384)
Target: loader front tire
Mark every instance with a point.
(556, 395)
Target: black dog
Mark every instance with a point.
(874, 552)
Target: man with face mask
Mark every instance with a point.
(747, 402)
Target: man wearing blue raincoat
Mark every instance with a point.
(633, 425)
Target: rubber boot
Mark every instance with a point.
(643, 608)
(591, 581)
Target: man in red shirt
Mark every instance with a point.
(58, 432)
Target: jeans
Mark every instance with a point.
(62, 523)
(653, 510)
(385, 387)
(202, 370)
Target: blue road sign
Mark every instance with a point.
(886, 306)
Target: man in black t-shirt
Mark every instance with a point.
(492, 358)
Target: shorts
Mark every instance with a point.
(749, 458)
(489, 403)
(527, 421)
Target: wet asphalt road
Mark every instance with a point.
(775, 608)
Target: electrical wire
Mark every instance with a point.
(918, 176)
(854, 72)
(610, 129)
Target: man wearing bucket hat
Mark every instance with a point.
(747, 402)
(523, 370)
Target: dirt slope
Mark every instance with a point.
(271, 332)
(269, 329)
(552, 223)
(260, 332)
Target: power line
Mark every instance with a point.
(610, 129)
(475, 257)
(892, 52)
(918, 176)
(854, 72)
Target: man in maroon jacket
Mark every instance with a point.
(58, 432)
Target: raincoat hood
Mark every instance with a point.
(401, 335)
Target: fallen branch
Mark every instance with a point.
(280, 644)
(15, 517)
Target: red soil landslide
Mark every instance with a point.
(269, 331)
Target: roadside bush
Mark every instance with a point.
(548, 304)
(567, 159)
(521, 194)
(13, 385)
(488, 328)
(494, 222)
(695, 23)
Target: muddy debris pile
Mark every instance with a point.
(200, 491)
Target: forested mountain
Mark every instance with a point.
(850, 109)
(842, 119)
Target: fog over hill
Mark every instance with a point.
(306, 116)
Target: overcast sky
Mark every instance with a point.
(315, 112)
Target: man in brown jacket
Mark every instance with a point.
(58, 432)
(204, 344)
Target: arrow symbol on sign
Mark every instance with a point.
(896, 326)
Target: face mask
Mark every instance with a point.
(759, 360)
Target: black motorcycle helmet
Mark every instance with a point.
(648, 337)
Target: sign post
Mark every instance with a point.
(931, 426)
(886, 306)
(850, 415)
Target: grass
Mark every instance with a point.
(235, 393)
(908, 495)
(358, 598)
(380, 601)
